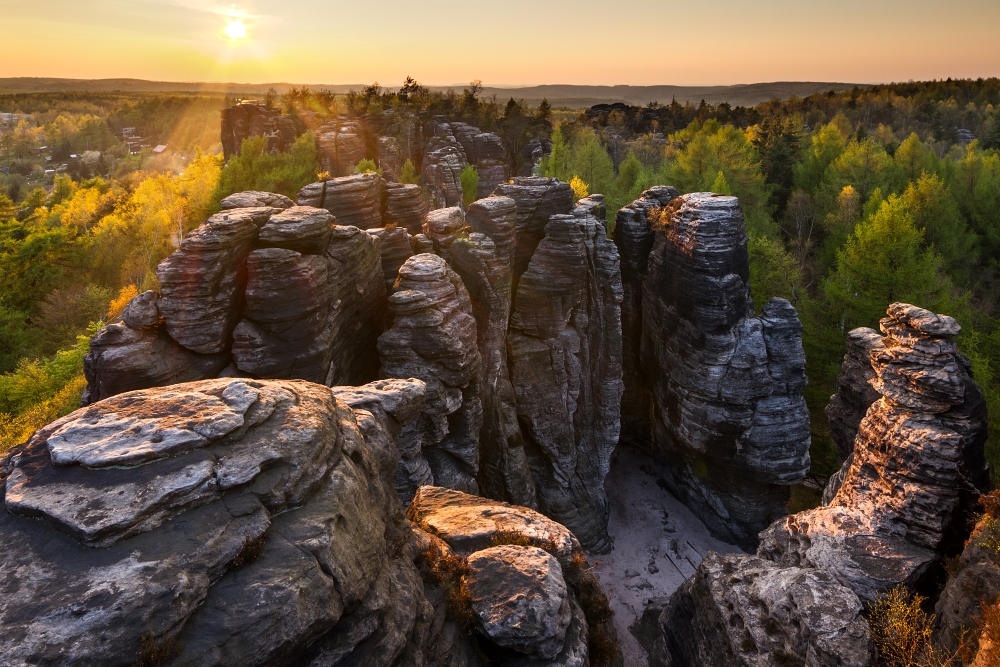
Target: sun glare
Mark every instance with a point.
(236, 30)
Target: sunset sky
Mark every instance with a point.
(638, 42)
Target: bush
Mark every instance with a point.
(470, 184)
(367, 166)
(408, 174)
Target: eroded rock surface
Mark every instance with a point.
(357, 200)
(565, 354)
(537, 198)
(728, 413)
(744, 611)
(855, 393)
(917, 469)
(405, 206)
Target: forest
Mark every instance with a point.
(853, 200)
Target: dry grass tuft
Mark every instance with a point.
(253, 547)
(153, 653)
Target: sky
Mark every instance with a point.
(513, 42)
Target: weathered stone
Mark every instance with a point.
(357, 200)
(201, 282)
(485, 268)
(520, 599)
(441, 169)
(405, 206)
(565, 353)
(855, 393)
(743, 611)
(142, 311)
(433, 338)
(729, 418)
(390, 157)
(916, 470)
(442, 226)
(300, 228)
(537, 199)
(254, 198)
(633, 236)
(341, 146)
(396, 248)
(247, 120)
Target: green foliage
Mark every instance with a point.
(470, 183)
(773, 272)
(367, 166)
(408, 174)
(556, 163)
(255, 168)
(935, 212)
(591, 163)
(36, 380)
(883, 262)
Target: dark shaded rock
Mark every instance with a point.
(300, 228)
(142, 311)
(357, 200)
(253, 198)
(633, 236)
(396, 248)
(405, 206)
(855, 393)
(564, 347)
(433, 338)
(916, 472)
(729, 417)
(444, 159)
(594, 205)
(743, 611)
(255, 120)
(390, 157)
(125, 359)
(486, 273)
(422, 244)
(537, 199)
(201, 283)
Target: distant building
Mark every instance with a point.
(13, 118)
(159, 149)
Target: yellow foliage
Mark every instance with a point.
(579, 187)
(15, 429)
(323, 176)
(117, 305)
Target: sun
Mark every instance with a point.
(236, 30)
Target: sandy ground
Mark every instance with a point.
(658, 544)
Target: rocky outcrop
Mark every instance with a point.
(433, 338)
(442, 226)
(444, 160)
(396, 247)
(729, 418)
(266, 292)
(483, 150)
(564, 345)
(341, 146)
(633, 236)
(357, 200)
(855, 393)
(255, 120)
(537, 199)
(188, 503)
(484, 260)
(390, 157)
(916, 472)
(405, 206)
(253, 198)
(743, 611)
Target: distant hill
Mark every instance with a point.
(559, 95)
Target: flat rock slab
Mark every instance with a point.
(520, 598)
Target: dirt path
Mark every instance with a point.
(658, 544)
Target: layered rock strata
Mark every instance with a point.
(341, 146)
(357, 200)
(442, 226)
(390, 157)
(917, 469)
(565, 351)
(261, 291)
(160, 518)
(728, 415)
(244, 121)
(855, 393)
(405, 206)
(396, 246)
(537, 199)
(484, 260)
(743, 611)
(433, 338)
(633, 236)
(483, 150)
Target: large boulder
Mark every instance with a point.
(565, 350)
(357, 200)
(744, 611)
(405, 206)
(728, 415)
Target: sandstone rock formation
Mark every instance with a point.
(396, 246)
(433, 338)
(565, 353)
(484, 260)
(917, 469)
(251, 522)
(726, 387)
(743, 611)
(442, 226)
(405, 206)
(633, 236)
(255, 120)
(855, 393)
(390, 157)
(261, 291)
(441, 169)
(253, 198)
(341, 146)
(483, 150)
(537, 199)
(357, 200)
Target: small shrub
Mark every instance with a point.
(408, 174)
(117, 305)
(580, 189)
(512, 536)
(903, 632)
(253, 547)
(447, 571)
(153, 653)
(470, 184)
(367, 166)
(324, 176)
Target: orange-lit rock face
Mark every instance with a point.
(913, 476)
